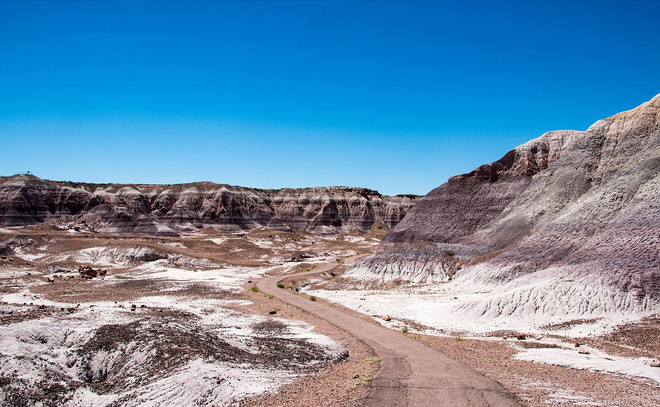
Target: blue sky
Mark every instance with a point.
(391, 96)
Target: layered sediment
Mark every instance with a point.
(169, 209)
(574, 216)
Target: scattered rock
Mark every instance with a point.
(89, 272)
(386, 318)
(5, 250)
(148, 254)
(343, 355)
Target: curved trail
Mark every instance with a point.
(411, 374)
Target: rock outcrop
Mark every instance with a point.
(581, 207)
(5, 250)
(169, 209)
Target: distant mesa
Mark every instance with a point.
(170, 209)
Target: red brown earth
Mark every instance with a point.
(87, 316)
(411, 374)
(346, 382)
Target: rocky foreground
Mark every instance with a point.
(167, 210)
(92, 319)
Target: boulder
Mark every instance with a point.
(6, 250)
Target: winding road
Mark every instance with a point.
(411, 374)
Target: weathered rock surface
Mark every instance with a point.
(5, 250)
(168, 209)
(574, 207)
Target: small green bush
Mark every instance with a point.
(270, 297)
(365, 379)
(312, 298)
(280, 285)
(255, 289)
(404, 329)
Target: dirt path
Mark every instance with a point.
(411, 374)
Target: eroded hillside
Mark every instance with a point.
(561, 228)
(170, 209)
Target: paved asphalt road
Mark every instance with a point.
(411, 374)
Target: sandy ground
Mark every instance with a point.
(198, 287)
(617, 368)
(340, 385)
(101, 320)
(539, 384)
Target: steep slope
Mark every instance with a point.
(567, 224)
(167, 209)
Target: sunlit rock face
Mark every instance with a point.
(168, 209)
(579, 207)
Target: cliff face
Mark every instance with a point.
(168, 209)
(468, 202)
(583, 206)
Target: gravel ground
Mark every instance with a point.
(340, 384)
(546, 385)
(639, 339)
(326, 381)
(543, 385)
(344, 383)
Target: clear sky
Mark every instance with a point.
(391, 96)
